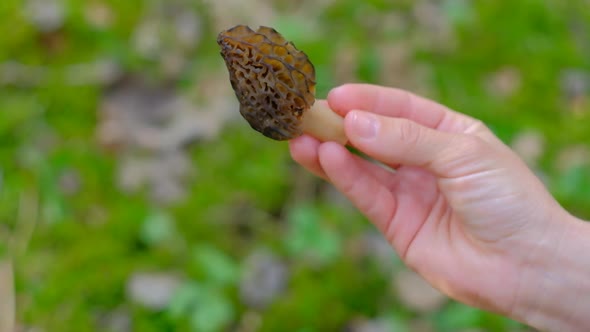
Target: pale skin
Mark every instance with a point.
(461, 209)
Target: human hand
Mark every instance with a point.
(460, 208)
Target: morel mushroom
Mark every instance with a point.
(275, 85)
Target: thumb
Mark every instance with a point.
(399, 141)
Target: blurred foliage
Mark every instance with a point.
(76, 236)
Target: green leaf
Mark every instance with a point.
(3, 249)
(458, 11)
(213, 312)
(575, 182)
(458, 316)
(218, 267)
(206, 307)
(184, 300)
(157, 227)
(307, 237)
(295, 31)
(369, 65)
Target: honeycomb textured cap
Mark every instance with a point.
(273, 81)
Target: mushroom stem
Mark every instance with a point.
(322, 123)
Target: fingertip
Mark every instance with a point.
(332, 156)
(330, 148)
(304, 149)
(350, 118)
(362, 127)
(336, 92)
(339, 98)
(303, 140)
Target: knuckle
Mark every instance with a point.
(350, 187)
(473, 145)
(463, 155)
(409, 133)
(477, 126)
(370, 207)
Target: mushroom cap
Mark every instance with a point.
(273, 81)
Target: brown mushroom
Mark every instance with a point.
(275, 85)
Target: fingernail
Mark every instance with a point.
(364, 125)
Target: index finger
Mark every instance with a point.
(397, 103)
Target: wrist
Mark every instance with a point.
(555, 291)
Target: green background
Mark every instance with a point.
(79, 225)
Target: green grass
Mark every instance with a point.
(243, 195)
